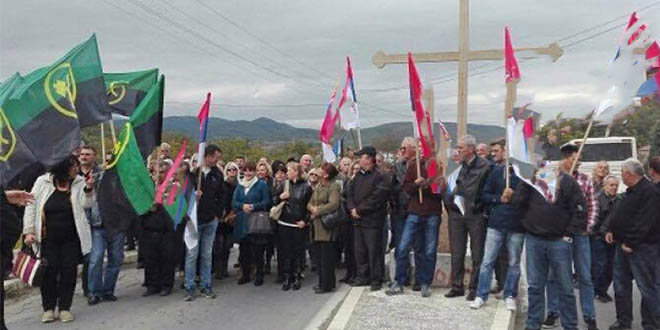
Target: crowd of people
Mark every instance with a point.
(579, 233)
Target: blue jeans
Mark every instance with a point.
(602, 265)
(640, 266)
(101, 284)
(543, 255)
(495, 240)
(582, 262)
(206, 234)
(418, 227)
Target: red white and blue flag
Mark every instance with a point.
(328, 124)
(350, 119)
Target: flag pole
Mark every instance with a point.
(511, 88)
(112, 131)
(103, 145)
(584, 141)
(359, 137)
(419, 169)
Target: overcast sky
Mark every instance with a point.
(292, 55)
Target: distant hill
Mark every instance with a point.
(269, 131)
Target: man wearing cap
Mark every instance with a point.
(581, 245)
(366, 202)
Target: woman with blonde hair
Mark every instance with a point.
(292, 223)
(600, 172)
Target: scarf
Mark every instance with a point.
(247, 185)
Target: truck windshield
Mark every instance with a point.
(607, 151)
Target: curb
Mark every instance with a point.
(340, 320)
(326, 313)
(504, 319)
(14, 288)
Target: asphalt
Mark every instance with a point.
(242, 307)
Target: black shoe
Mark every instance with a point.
(417, 287)
(243, 280)
(358, 282)
(296, 284)
(109, 297)
(394, 290)
(620, 326)
(150, 292)
(376, 287)
(471, 295)
(93, 300)
(286, 285)
(454, 293)
(259, 281)
(346, 279)
(604, 298)
(591, 324)
(237, 265)
(551, 321)
(165, 292)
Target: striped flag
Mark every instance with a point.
(349, 119)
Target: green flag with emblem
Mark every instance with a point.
(126, 90)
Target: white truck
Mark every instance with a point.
(614, 150)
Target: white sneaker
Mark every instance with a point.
(477, 303)
(510, 304)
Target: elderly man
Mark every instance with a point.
(581, 246)
(467, 219)
(634, 228)
(306, 163)
(483, 151)
(165, 150)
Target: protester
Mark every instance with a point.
(580, 246)
(422, 225)
(293, 220)
(550, 225)
(470, 182)
(158, 243)
(634, 228)
(504, 230)
(279, 181)
(366, 202)
(265, 174)
(345, 241)
(602, 253)
(379, 160)
(600, 171)
(306, 163)
(223, 237)
(654, 170)
(240, 162)
(250, 196)
(101, 283)
(326, 199)
(56, 222)
(313, 177)
(210, 208)
(483, 151)
(165, 150)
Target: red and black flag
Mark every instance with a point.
(127, 89)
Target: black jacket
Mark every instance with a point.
(368, 194)
(212, 203)
(635, 220)
(606, 206)
(469, 185)
(295, 208)
(501, 216)
(564, 217)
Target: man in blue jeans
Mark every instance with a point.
(101, 284)
(550, 220)
(422, 224)
(210, 208)
(581, 247)
(635, 229)
(504, 231)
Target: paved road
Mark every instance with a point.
(606, 313)
(236, 307)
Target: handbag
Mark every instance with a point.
(28, 268)
(259, 223)
(334, 219)
(276, 211)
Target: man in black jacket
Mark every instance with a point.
(210, 208)
(366, 202)
(469, 221)
(634, 228)
(550, 216)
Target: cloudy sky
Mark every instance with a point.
(281, 58)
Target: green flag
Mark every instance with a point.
(147, 119)
(126, 90)
(126, 189)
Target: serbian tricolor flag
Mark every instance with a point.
(203, 117)
(349, 119)
(632, 34)
(510, 64)
(423, 129)
(190, 235)
(328, 124)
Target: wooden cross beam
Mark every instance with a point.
(463, 56)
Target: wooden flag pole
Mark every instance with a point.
(508, 112)
(419, 169)
(112, 131)
(584, 141)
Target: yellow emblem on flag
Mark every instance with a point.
(7, 138)
(116, 96)
(61, 83)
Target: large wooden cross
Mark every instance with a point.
(463, 56)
